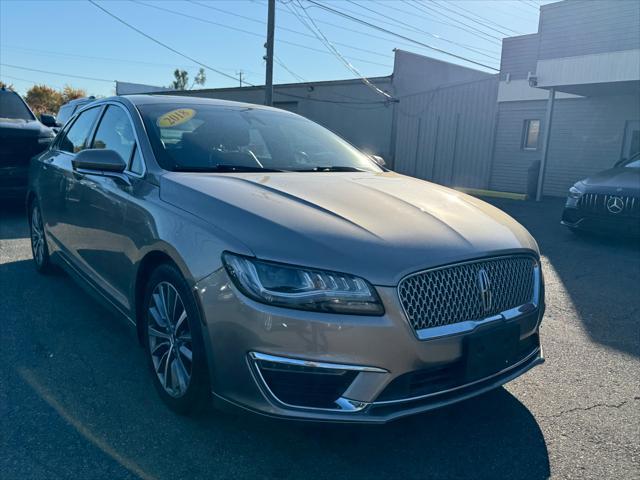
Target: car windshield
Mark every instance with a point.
(12, 106)
(227, 139)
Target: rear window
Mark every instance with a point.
(12, 106)
(65, 113)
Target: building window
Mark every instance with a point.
(531, 134)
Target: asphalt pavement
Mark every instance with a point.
(77, 402)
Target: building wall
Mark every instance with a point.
(510, 161)
(413, 73)
(583, 27)
(519, 56)
(446, 135)
(586, 137)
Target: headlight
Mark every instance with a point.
(576, 191)
(302, 288)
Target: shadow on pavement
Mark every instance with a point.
(600, 272)
(82, 370)
(13, 211)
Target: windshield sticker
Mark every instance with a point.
(175, 117)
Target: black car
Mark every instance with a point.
(68, 109)
(609, 200)
(21, 137)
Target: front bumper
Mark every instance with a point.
(577, 219)
(374, 363)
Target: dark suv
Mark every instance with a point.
(21, 137)
(609, 200)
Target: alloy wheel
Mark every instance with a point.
(37, 236)
(170, 343)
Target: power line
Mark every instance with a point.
(322, 37)
(292, 73)
(107, 59)
(529, 4)
(29, 81)
(395, 22)
(280, 28)
(417, 42)
(219, 72)
(498, 29)
(247, 32)
(19, 67)
(488, 20)
(419, 5)
(479, 50)
(390, 20)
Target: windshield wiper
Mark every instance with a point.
(333, 168)
(227, 168)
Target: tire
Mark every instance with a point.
(39, 247)
(173, 342)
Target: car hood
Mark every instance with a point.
(380, 226)
(615, 180)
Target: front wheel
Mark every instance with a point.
(174, 342)
(39, 247)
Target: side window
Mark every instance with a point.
(115, 133)
(531, 134)
(77, 137)
(136, 162)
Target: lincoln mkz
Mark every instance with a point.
(269, 265)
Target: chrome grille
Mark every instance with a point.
(597, 203)
(453, 294)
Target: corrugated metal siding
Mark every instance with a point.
(519, 56)
(446, 135)
(586, 137)
(510, 161)
(582, 27)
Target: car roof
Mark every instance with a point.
(79, 100)
(188, 100)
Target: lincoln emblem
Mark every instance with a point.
(485, 289)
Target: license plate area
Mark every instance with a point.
(491, 351)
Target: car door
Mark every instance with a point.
(56, 182)
(107, 248)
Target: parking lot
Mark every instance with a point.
(76, 400)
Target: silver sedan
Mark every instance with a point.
(269, 265)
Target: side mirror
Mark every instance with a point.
(48, 120)
(379, 160)
(99, 160)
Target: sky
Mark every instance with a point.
(74, 38)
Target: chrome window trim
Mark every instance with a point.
(467, 326)
(343, 405)
(537, 352)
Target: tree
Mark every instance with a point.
(200, 78)
(43, 99)
(6, 86)
(69, 93)
(182, 79)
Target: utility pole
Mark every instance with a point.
(240, 73)
(268, 84)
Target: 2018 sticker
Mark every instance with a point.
(175, 117)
